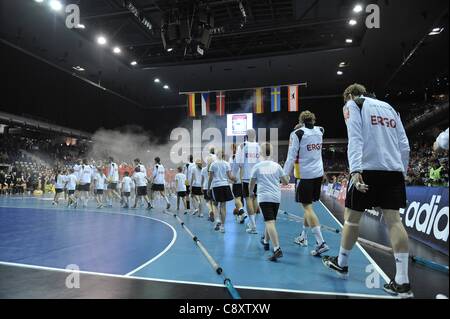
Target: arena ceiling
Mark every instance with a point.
(280, 42)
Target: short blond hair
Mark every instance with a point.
(354, 90)
(307, 117)
(266, 149)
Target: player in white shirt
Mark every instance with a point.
(99, 186)
(60, 182)
(127, 184)
(237, 187)
(138, 163)
(159, 182)
(247, 157)
(187, 170)
(85, 182)
(219, 188)
(305, 144)
(205, 179)
(378, 154)
(71, 187)
(196, 187)
(113, 180)
(180, 184)
(441, 143)
(141, 181)
(268, 175)
(77, 172)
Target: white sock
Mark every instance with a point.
(167, 200)
(304, 233)
(343, 257)
(318, 234)
(276, 248)
(401, 265)
(253, 220)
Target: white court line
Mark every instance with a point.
(365, 253)
(174, 237)
(129, 275)
(68, 271)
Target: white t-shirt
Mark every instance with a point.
(188, 169)
(197, 177)
(268, 175)
(72, 182)
(60, 181)
(113, 173)
(142, 169)
(159, 173)
(205, 177)
(77, 171)
(140, 179)
(220, 176)
(180, 179)
(85, 174)
(247, 156)
(127, 182)
(99, 179)
(235, 169)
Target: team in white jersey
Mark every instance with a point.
(159, 182)
(247, 157)
(237, 186)
(180, 185)
(305, 146)
(378, 154)
(196, 187)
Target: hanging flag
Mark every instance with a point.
(276, 99)
(205, 104)
(220, 103)
(191, 105)
(259, 101)
(293, 98)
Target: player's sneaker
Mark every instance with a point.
(277, 254)
(167, 207)
(195, 212)
(402, 291)
(222, 229)
(266, 246)
(301, 241)
(332, 263)
(320, 249)
(217, 228)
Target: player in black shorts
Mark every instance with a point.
(378, 157)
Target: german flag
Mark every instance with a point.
(191, 105)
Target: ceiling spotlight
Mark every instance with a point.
(81, 26)
(117, 50)
(436, 31)
(156, 80)
(169, 49)
(343, 64)
(55, 5)
(133, 63)
(101, 40)
(358, 8)
(166, 87)
(352, 22)
(78, 68)
(340, 73)
(348, 40)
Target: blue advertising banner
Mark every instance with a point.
(426, 217)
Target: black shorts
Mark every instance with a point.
(112, 186)
(197, 191)
(158, 187)
(141, 190)
(237, 190)
(205, 195)
(245, 189)
(308, 190)
(85, 187)
(181, 194)
(99, 192)
(269, 211)
(71, 192)
(59, 190)
(188, 190)
(387, 190)
(126, 194)
(222, 194)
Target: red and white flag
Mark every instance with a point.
(293, 98)
(220, 103)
